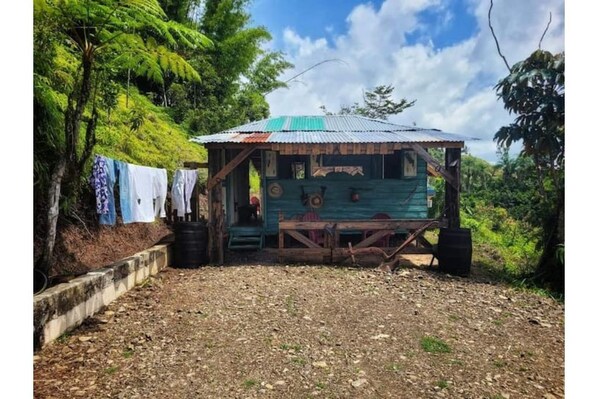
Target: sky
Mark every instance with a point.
(439, 53)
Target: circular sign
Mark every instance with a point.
(275, 190)
(316, 201)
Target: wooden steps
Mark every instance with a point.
(245, 238)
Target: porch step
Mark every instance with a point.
(245, 238)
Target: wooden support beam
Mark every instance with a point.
(432, 171)
(195, 165)
(366, 224)
(448, 177)
(229, 167)
(302, 239)
(452, 160)
(377, 236)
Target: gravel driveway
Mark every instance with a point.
(311, 331)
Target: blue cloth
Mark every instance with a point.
(122, 169)
(109, 217)
(99, 183)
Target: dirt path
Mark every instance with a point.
(299, 332)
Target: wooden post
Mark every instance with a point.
(280, 237)
(215, 210)
(452, 161)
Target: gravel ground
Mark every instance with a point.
(253, 331)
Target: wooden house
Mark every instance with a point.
(323, 178)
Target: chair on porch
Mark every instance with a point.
(384, 241)
(316, 236)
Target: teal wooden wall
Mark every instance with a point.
(404, 198)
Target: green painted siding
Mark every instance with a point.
(400, 198)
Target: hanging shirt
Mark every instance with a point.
(122, 171)
(182, 188)
(147, 193)
(99, 182)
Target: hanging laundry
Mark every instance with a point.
(122, 170)
(182, 188)
(102, 179)
(147, 193)
(99, 182)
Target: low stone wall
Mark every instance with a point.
(64, 307)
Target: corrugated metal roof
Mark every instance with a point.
(328, 129)
(255, 137)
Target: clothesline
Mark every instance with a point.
(143, 190)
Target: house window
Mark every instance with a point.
(392, 166)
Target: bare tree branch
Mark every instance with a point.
(494, 36)
(545, 30)
(308, 69)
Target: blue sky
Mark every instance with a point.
(440, 53)
(318, 18)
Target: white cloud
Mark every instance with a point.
(453, 85)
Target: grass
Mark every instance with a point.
(393, 367)
(127, 353)
(295, 347)
(434, 345)
(249, 383)
(443, 384)
(499, 363)
(111, 370)
(290, 304)
(320, 385)
(64, 338)
(299, 360)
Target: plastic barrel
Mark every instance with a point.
(454, 251)
(190, 244)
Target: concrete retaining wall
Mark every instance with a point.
(64, 307)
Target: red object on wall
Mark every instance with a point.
(255, 201)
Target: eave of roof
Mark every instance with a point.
(328, 129)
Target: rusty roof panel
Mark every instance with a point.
(255, 137)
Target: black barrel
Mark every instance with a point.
(454, 251)
(190, 244)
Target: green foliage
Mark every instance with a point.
(505, 244)
(434, 345)
(377, 104)
(534, 91)
(111, 369)
(254, 180)
(158, 142)
(249, 383)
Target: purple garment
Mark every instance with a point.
(99, 183)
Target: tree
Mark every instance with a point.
(237, 72)
(377, 104)
(103, 36)
(534, 91)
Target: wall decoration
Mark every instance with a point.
(271, 167)
(298, 170)
(275, 190)
(409, 164)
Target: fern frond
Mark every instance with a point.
(151, 7)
